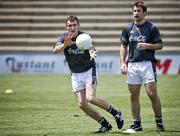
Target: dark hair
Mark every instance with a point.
(140, 4)
(72, 18)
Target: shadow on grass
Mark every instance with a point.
(173, 131)
(110, 133)
(166, 131)
(122, 133)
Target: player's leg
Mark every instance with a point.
(91, 82)
(79, 90)
(151, 89)
(134, 81)
(90, 111)
(135, 106)
(149, 74)
(83, 105)
(91, 97)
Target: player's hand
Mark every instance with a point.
(68, 39)
(93, 53)
(124, 68)
(142, 46)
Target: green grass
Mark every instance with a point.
(44, 105)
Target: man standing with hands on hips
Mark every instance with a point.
(143, 39)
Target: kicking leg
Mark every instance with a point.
(91, 97)
(90, 111)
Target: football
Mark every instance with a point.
(84, 41)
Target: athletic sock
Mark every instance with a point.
(103, 121)
(137, 121)
(158, 120)
(112, 111)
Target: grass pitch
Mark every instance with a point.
(44, 105)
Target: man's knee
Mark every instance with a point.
(134, 97)
(91, 98)
(152, 96)
(82, 104)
